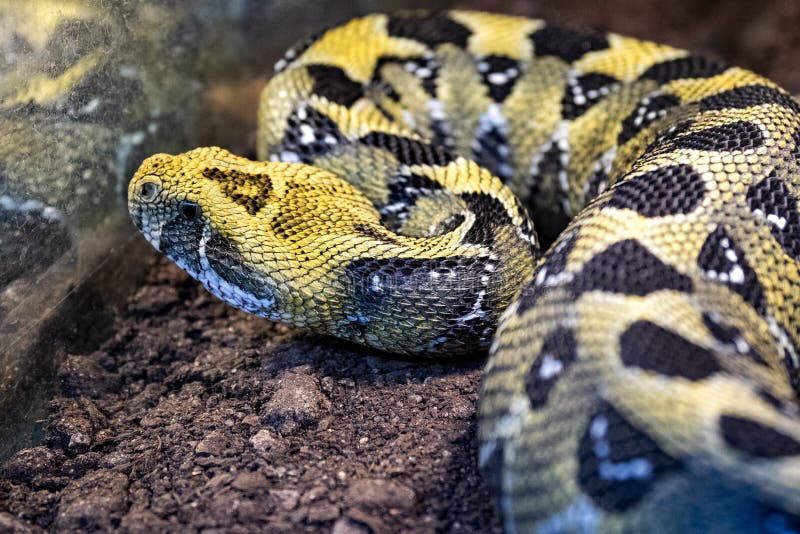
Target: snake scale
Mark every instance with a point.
(644, 374)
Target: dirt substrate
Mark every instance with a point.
(197, 417)
(197, 414)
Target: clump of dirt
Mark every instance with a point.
(199, 415)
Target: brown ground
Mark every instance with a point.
(197, 415)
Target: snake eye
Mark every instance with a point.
(190, 210)
(148, 191)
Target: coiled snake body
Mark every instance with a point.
(644, 375)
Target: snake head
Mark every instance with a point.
(233, 224)
(164, 204)
(203, 209)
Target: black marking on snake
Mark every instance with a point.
(554, 263)
(566, 44)
(790, 362)
(335, 85)
(731, 336)
(433, 30)
(739, 135)
(486, 208)
(392, 94)
(492, 469)
(772, 400)
(665, 140)
(551, 164)
(721, 259)
(649, 110)
(476, 327)
(379, 81)
(499, 74)
(226, 261)
(408, 151)
(619, 464)
(404, 190)
(451, 223)
(628, 267)
(756, 439)
(557, 256)
(442, 133)
(584, 92)
(180, 241)
(298, 50)
(595, 184)
(425, 69)
(383, 111)
(673, 190)
(371, 232)
(558, 352)
(772, 201)
(547, 210)
(691, 66)
(796, 140)
(425, 284)
(651, 347)
(747, 96)
(491, 150)
(309, 134)
(248, 190)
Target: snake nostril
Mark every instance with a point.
(190, 210)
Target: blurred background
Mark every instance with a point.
(89, 88)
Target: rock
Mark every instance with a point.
(347, 525)
(143, 522)
(94, 502)
(297, 403)
(286, 499)
(9, 523)
(265, 441)
(81, 464)
(461, 408)
(250, 482)
(218, 443)
(74, 424)
(323, 512)
(81, 376)
(27, 463)
(380, 493)
(314, 494)
(251, 420)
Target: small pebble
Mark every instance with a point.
(346, 525)
(323, 512)
(381, 493)
(297, 403)
(287, 499)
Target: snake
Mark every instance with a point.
(643, 365)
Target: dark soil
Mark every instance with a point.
(195, 416)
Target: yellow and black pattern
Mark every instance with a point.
(644, 375)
